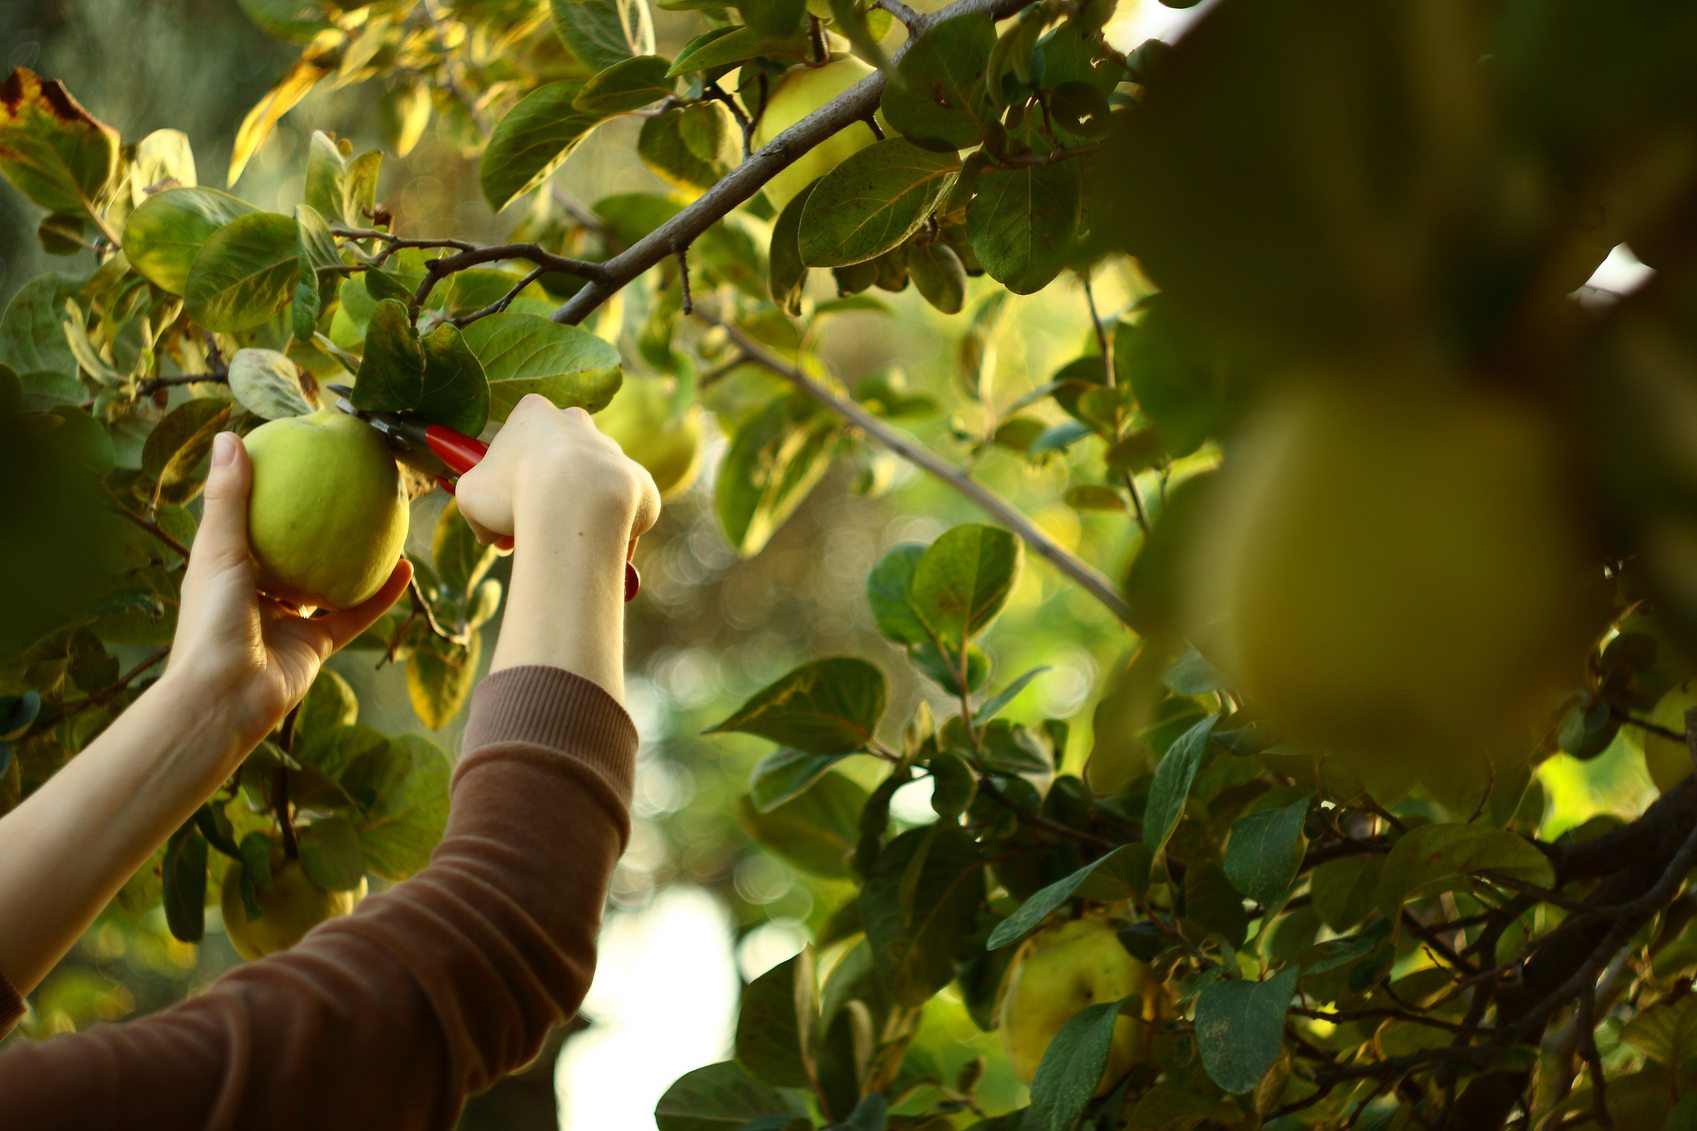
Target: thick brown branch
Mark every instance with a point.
(741, 183)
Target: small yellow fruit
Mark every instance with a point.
(327, 516)
(289, 908)
(640, 420)
(1061, 971)
(799, 93)
(1397, 572)
(1669, 761)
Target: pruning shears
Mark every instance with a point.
(440, 452)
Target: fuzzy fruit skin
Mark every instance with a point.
(799, 93)
(1668, 761)
(291, 907)
(1064, 970)
(327, 516)
(639, 419)
(1396, 572)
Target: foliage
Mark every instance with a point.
(1396, 200)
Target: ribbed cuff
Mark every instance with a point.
(11, 1005)
(555, 708)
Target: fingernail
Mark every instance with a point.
(223, 448)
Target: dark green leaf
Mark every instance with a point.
(1024, 223)
(873, 201)
(775, 460)
(963, 580)
(180, 444)
(815, 830)
(1240, 1028)
(604, 32)
(330, 853)
(870, 1114)
(185, 884)
(691, 147)
(530, 142)
(244, 272)
(33, 343)
(938, 275)
(627, 85)
(782, 776)
(889, 590)
(524, 353)
(1171, 787)
(1072, 1067)
(1265, 851)
(786, 273)
(936, 97)
(992, 706)
(1431, 858)
(829, 706)
(165, 234)
(720, 1097)
(954, 784)
(775, 1023)
(919, 903)
(402, 789)
(437, 377)
(1127, 866)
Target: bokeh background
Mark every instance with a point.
(697, 908)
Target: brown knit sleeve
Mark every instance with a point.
(431, 991)
(11, 1005)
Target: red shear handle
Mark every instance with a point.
(462, 453)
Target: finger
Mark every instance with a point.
(346, 624)
(483, 534)
(221, 542)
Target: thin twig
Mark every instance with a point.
(152, 528)
(503, 302)
(150, 385)
(1010, 516)
(422, 606)
(682, 254)
(436, 270)
(105, 694)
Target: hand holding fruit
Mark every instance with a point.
(246, 656)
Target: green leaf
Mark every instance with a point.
(775, 1023)
(53, 150)
(1072, 1067)
(185, 884)
(438, 377)
(773, 17)
(440, 677)
(936, 97)
(330, 703)
(627, 85)
(331, 855)
(870, 1114)
(782, 776)
(461, 561)
(1343, 890)
(938, 275)
(775, 460)
(919, 904)
(1126, 867)
(1431, 858)
(829, 706)
(873, 201)
(166, 232)
(690, 147)
(785, 272)
(340, 187)
(944, 668)
(963, 580)
(402, 789)
(1265, 851)
(1023, 223)
(1240, 1028)
(604, 32)
(33, 342)
(179, 446)
(734, 45)
(524, 353)
(1171, 785)
(889, 590)
(720, 1097)
(265, 383)
(244, 273)
(816, 830)
(530, 142)
(992, 706)
(17, 712)
(316, 276)
(1666, 1033)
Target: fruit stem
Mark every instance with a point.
(280, 787)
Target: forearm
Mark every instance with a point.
(565, 607)
(96, 821)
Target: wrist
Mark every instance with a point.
(228, 724)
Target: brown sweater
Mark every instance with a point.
(429, 992)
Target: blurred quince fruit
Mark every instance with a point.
(640, 418)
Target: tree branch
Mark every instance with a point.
(438, 269)
(998, 508)
(741, 183)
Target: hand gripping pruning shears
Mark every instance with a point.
(440, 452)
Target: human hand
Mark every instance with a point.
(548, 468)
(242, 653)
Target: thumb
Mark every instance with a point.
(221, 541)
